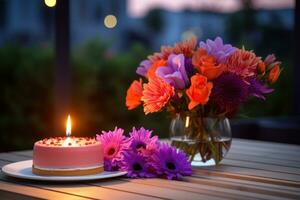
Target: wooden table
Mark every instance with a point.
(251, 170)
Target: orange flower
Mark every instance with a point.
(199, 91)
(186, 48)
(159, 63)
(207, 65)
(274, 74)
(261, 67)
(134, 94)
(243, 63)
(156, 94)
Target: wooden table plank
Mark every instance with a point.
(252, 170)
(26, 153)
(267, 167)
(96, 192)
(156, 190)
(274, 150)
(261, 154)
(258, 143)
(261, 159)
(15, 196)
(36, 192)
(221, 188)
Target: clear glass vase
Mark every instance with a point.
(205, 140)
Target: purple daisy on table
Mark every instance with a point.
(143, 68)
(217, 49)
(258, 89)
(229, 92)
(115, 144)
(170, 163)
(141, 140)
(174, 73)
(137, 166)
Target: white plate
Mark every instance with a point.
(23, 170)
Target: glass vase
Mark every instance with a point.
(205, 141)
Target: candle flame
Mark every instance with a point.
(68, 129)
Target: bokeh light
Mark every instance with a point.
(110, 21)
(50, 3)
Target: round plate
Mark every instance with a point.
(23, 170)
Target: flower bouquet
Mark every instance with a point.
(201, 86)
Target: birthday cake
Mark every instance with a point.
(67, 156)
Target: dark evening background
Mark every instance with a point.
(41, 83)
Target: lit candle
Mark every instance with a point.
(68, 127)
(68, 141)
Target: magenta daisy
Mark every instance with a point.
(115, 144)
(136, 166)
(141, 139)
(170, 163)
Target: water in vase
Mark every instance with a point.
(203, 153)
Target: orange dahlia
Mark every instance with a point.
(186, 48)
(206, 64)
(156, 94)
(243, 63)
(134, 94)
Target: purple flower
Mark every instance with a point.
(258, 89)
(136, 166)
(115, 144)
(141, 139)
(170, 163)
(189, 68)
(229, 92)
(143, 68)
(217, 49)
(111, 166)
(175, 73)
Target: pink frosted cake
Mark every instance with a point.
(63, 156)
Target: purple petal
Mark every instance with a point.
(175, 73)
(217, 49)
(258, 89)
(143, 68)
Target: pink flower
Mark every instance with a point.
(156, 94)
(115, 144)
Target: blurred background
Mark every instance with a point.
(80, 56)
